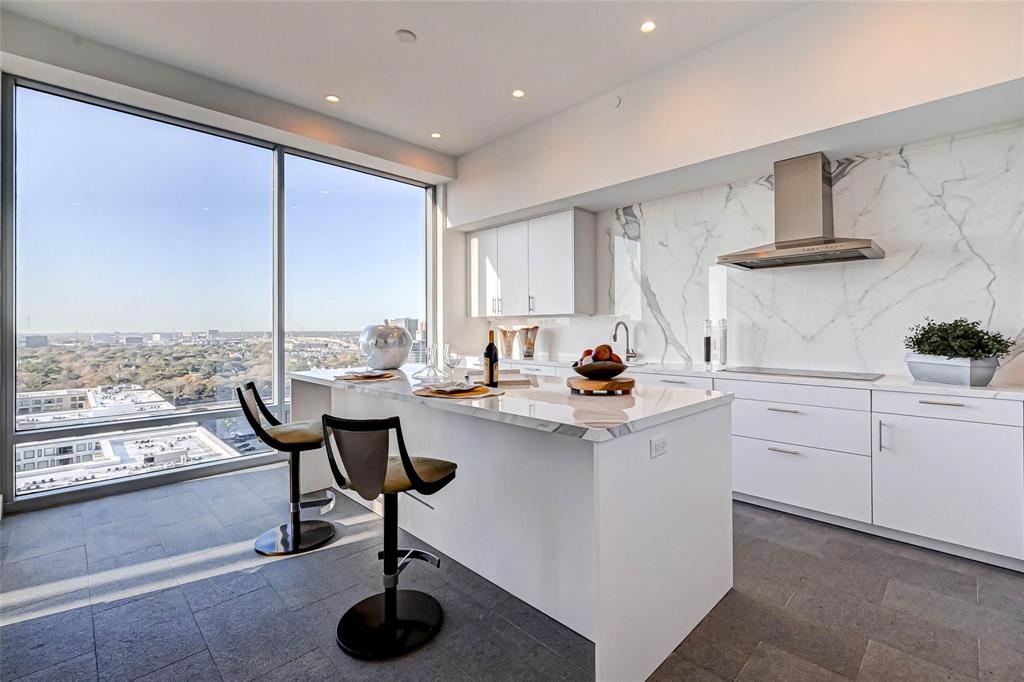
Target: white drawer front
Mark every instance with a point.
(819, 427)
(835, 483)
(539, 370)
(702, 383)
(825, 396)
(982, 410)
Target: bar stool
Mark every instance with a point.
(297, 535)
(395, 621)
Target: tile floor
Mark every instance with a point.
(163, 584)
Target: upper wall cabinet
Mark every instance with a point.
(541, 266)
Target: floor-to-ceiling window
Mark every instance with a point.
(143, 290)
(355, 249)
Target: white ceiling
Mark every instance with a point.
(457, 78)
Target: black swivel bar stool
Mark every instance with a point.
(395, 621)
(297, 535)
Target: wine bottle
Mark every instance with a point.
(491, 361)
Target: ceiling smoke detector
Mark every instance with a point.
(404, 35)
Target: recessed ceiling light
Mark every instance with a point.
(436, 136)
(518, 94)
(648, 26)
(333, 99)
(404, 35)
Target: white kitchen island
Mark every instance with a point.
(559, 500)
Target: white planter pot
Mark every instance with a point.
(956, 371)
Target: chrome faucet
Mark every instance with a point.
(630, 353)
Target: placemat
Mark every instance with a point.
(363, 380)
(478, 392)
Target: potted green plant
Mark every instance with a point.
(957, 352)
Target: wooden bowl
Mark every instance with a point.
(600, 370)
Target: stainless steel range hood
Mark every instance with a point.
(803, 221)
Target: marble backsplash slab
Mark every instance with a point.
(948, 212)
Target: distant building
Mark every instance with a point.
(40, 402)
(164, 337)
(132, 340)
(104, 337)
(36, 341)
(68, 461)
(44, 408)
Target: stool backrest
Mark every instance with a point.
(363, 446)
(255, 410)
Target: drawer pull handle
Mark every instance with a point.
(674, 381)
(939, 402)
(782, 409)
(788, 452)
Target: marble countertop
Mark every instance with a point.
(888, 382)
(548, 405)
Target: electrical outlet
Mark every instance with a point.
(659, 446)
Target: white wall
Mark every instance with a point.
(948, 212)
(35, 50)
(814, 69)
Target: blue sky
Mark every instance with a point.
(129, 224)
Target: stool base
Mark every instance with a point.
(363, 632)
(278, 541)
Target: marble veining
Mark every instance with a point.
(548, 405)
(948, 212)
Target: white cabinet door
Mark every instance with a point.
(960, 482)
(513, 270)
(552, 264)
(483, 273)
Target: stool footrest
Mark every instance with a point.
(326, 504)
(405, 557)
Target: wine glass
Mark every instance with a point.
(366, 352)
(452, 360)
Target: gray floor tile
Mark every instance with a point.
(193, 536)
(882, 664)
(79, 669)
(1000, 660)
(315, 665)
(888, 567)
(835, 648)
(45, 634)
(43, 577)
(253, 634)
(718, 646)
(119, 537)
(32, 534)
(172, 509)
(232, 509)
(198, 667)
(145, 635)
(127, 577)
(678, 669)
(894, 627)
(969, 618)
(202, 594)
(771, 664)
(1001, 589)
(310, 577)
(576, 648)
(114, 508)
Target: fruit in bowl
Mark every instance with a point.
(599, 363)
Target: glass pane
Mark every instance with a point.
(355, 254)
(144, 265)
(65, 462)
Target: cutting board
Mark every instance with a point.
(615, 386)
